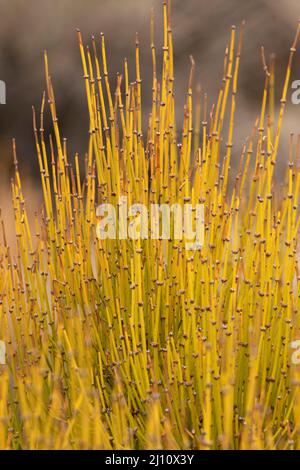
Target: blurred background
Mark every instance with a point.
(200, 27)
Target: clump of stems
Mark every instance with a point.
(136, 344)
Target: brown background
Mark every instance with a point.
(201, 28)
